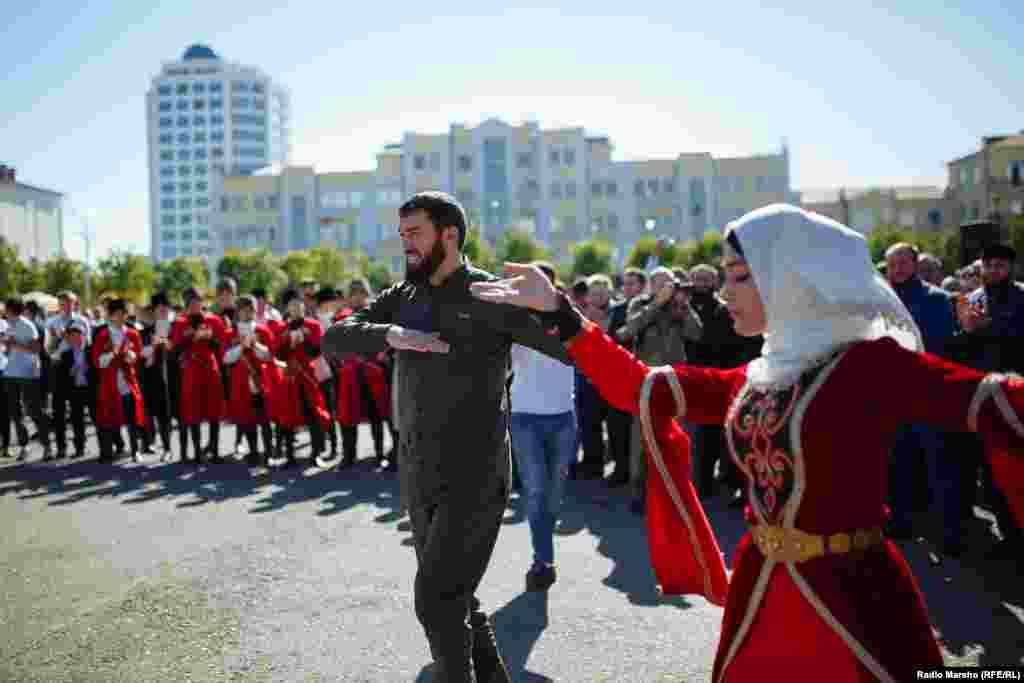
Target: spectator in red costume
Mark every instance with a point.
(816, 588)
(115, 352)
(302, 404)
(198, 340)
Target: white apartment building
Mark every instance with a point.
(31, 218)
(204, 117)
(560, 185)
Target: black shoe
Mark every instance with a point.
(618, 479)
(738, 500)
(487, 662)
(540, 577)
(60, 455)
(1004, 550)
(899, 532)
(78, 454)
(637, 506)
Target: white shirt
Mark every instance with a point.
(542, 385)
(116, 339)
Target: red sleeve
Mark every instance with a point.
(618, 376)
(265, 337)
(136, 343)
(316, 331)
(99, 346)
(177, 332)
(220, 333)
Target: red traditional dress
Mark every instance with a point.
(202, 389)
(252, 372)
(299, 375)
(816, 455)
(351, 408)
(117, 377)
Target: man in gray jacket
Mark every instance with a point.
(451, 389)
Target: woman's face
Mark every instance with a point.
(741, 295)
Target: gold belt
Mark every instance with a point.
(783, 544)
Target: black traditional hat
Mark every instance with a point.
(1000, 251)
(190, 295)
(159, 299)
(116, 305)
(326, 294)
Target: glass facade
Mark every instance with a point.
(496, 193)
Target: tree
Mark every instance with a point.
(707, 250)
(128, 275)
(253, 270)
(479, 252)
(379, 276)
(297, 266)
(329, 266)
(591, 257)
(179, 274)
(9, 264)
(62, 273)
(29, 277)
(519, 246)
(645, 248)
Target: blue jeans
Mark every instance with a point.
(544, 445)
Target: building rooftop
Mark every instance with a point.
(831, 195)
(198, 51)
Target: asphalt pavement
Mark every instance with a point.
(138, 572)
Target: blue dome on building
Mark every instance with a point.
(199, 52)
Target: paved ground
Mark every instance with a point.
(158, 572)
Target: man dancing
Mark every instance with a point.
(451, 384)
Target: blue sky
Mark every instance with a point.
(864, 94)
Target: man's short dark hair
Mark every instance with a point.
(227, 285)
(306, 284)
(580, 288)
(637, 273)
(443, 210)
(259, 293)
(246, 302)
(14, 306)
(360, 283)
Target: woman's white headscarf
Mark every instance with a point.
(819, 288)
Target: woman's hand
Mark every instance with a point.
(528, 287)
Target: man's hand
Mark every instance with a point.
(970, 316)
(527, 287)
(413, 340)
(664, 295)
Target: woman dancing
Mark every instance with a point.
(816, 587)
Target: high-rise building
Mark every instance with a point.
(204, 117)
(31, 218)
(560, 185)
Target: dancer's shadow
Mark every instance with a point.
(518, 626)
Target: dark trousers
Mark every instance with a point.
(252, 432)
(107, 435)
(286, 439)
(195, 431)
(1005, 520)
(454, 541)
(75, 399)
(955, 472)
(619, 424)
(27, 393)
(331, 402)
(592, 413)
(916, 447)
(5, 417)
(710, 442)
(158, 413)
(350, 433)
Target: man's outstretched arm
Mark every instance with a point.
(373, 330)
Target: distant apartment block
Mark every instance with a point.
(989, 182)
(31, 218)
(920, 208)
(205, 117)
(562, 186)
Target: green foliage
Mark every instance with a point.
(592, 257)
(379, 276)
(519, 246)
(253, 270)
(29, 277)
(708, 249)
(128, 275)
(177, 275)
(329, 266)
(945, 245)
(298, 266)
(62, 273)
(645, 248)
(8, 269)
(479, 252)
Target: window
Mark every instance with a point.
(668, 186)
(202, 186)
(1014, 173)
(225, 204)
(182, 105)
(739, 184)
(198, 104)
(240, 102)
(934, 217)
(639, 188)
(165, 106)
(168, 235)
(613, 221)
(182, 89)
(435, 161)
(199, 153)
(965, 178)
(569, 157)
(166, 122)
(216, 120)
(531, 189)
(611, 189)
(258, 88)
(199, 138)
(184, 187)
(259, 104)
(168, 188)
(166, 139)
(183, 121)
(164, 90)
(186, 251)
(202, 234)
(556, 191)
(185, 219)
(186, 236)
(652, 186)
(216, 103)
(198, 120)
(200, 169)
(272, 203)
(597, 189)
(184, 155)
(1017, 207)
(217, 136)
(184, 170)
(198, 88)
(166, 155)
(169, 252)
(167, 219)
(239, 86)
(185, 204)
(202, 202)
(217, 152)
(554, 157)
(907, 218)
(465, 163)
(419, 162)
(167, 172)
(167, 204)
(465, 197)
(524, 160)
(570, 190)
(977, 175)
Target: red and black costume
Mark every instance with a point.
(302, 403)
(363, 396)
(814, 581)
(254, 387)
(114, 353)
(202, 389)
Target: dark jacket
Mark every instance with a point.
(63, 377)
(997, 345)
(932, 310)
(719, 346)
(617, 316)
(452, 409)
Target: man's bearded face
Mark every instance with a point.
(420, 265)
